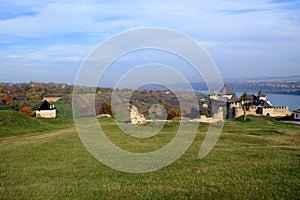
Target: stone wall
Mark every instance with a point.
(281, 111)
(205, 119)
(238, 112)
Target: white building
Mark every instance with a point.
(46, 110)
(296, 114)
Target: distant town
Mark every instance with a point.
(289, 87)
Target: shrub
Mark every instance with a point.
(105, 108)
(26, 110)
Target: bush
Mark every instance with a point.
(26, 110)
(105, 108)
(172, 112)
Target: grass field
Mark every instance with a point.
(258, 159)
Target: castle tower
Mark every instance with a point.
(213, 95)
(226, 92)
(261, 95)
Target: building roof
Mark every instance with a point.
(296, 111)
(251, 97)
(226, 90)
(234, 98)
(261, 93)
(266, 105)
(46, 106)
(212, 92)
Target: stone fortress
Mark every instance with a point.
(231, 105)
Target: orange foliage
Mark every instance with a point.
(6, 99)
(172, 112)
(26, 110)
(106, 109)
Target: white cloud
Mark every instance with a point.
(256, 29)
(231, 18)
(50, 54)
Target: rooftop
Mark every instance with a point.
(261, 93)
(46, 106)
(226, 90)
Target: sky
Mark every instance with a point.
(48, 40)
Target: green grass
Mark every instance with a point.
(63, 109)
(13, 123)
(253, 160)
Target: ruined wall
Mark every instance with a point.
(135, 116)
(205, 119)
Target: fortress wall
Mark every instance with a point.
(238, 112)
(252, 110)
(268, 111)
(281, 111)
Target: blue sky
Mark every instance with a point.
(48, 40)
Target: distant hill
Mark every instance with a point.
(263, 78)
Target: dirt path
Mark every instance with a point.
(30, 138)
(292, 122)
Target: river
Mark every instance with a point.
(292, 101)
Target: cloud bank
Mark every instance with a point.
(259, 36)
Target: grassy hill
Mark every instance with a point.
(13, 123)
(63, 108)
(258, 159)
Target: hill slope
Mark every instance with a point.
(13, 123)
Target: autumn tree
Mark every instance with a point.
(6, 99)
(106, 108)
(34, 94)
(172, 112)
(26, 110)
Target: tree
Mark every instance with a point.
(26, 110)
(106, 108)
(246, 103)
(6, 99)
(172, 112)
(34, 94)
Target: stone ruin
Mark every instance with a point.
(135, 116)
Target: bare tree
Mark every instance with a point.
(246, 103)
